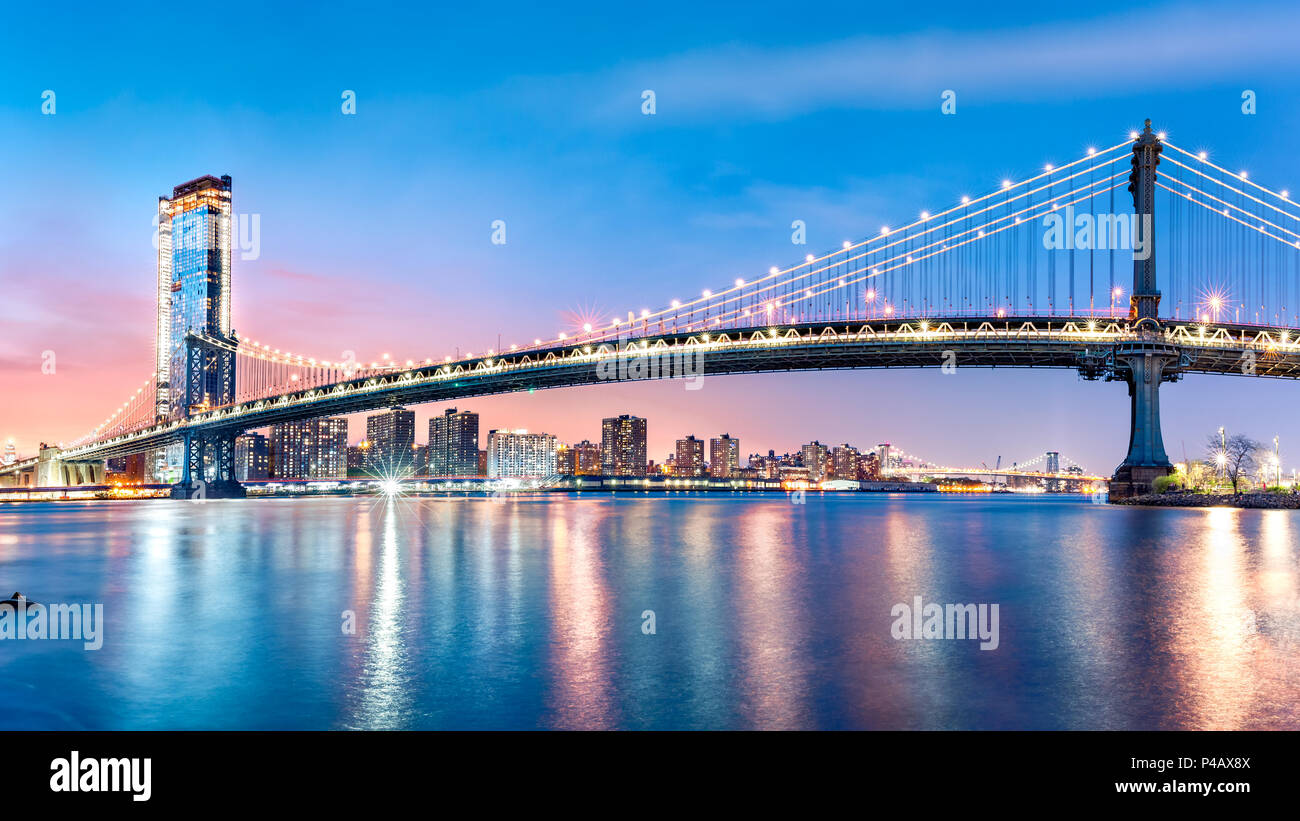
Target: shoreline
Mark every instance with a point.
(1245, 501)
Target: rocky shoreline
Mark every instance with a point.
(1270, 501)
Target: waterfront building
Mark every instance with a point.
(252, 457)
(815, 458)
(885, 467)
(391, 435)
(309, 449)
(623, 446)
(845, 462)
(519, 454)
(579, 459)
(724, 457)
(453, 444)
(689, 460)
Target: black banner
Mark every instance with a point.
(136, 771)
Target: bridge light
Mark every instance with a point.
(1201, 156)
(965, 200)
(1133, 135)
(1047, 167)
(808, 258)
(1006, 184)
(771, 271)
(1091, 151)
(884, 230)
(707, 293)
(739, 282)
(1242, 175)
(586, 326)
(1160, 135)
(676, 303)
(925, 215)
(644, 313)
(846, 243)
(1285, 195)
(563, 335)
(535, 342)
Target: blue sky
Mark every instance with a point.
(376, 227)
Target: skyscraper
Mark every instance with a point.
(520, 454)
(453, 444)
(845, 462)
(310, 449)
(391, 435)
(724, 457)
(252, 457)
(689, 460)
(194, 267)
(623, 446)
(580, 459)
(815, 458)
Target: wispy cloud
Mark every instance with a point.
(1165, 47)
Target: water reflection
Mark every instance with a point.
(529, 613)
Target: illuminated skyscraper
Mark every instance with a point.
(252, 457)
(453, 444)
(622, 446)
(391, 435)
(580, 459)
(520, 454)
(310, 449)
(816, 458)
(724, 457)
(194, 254)
(845, 462)
(689, 460)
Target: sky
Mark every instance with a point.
(376, 227)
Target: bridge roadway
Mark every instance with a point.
(965, 342)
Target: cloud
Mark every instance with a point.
(1166, 47)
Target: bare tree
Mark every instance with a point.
(1236, 455)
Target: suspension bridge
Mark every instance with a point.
(1033, 274)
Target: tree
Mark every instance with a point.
(1236, 456)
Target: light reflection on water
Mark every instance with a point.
(528, 613)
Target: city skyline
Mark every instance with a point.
(322, 268)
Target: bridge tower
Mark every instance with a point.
(207, 459)
(1146, 360)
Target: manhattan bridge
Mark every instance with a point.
(1058, 270)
